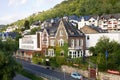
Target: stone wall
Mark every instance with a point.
(101, 75)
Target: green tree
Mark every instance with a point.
(8, 65)
(33, 31)
(26, 24)
(99, 50)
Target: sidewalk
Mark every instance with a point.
(20, 77)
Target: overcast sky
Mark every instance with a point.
(13, 10)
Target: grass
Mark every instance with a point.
(30, 75)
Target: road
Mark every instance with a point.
(41, 71)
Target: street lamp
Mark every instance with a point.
(64, 72)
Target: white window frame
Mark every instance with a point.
(61, 42)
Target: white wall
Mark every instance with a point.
(93, 38)
(28, 42)
(88, 22)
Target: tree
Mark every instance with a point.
(33, 31)
(8, 65)
(26, 24)
(18, 36)
(99, 50)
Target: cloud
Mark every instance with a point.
(8, 19)
(16, 2)
(45, 4)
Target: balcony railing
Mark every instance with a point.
(76, 47)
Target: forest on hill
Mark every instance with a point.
(75, 7)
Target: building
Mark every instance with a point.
(110, 22)
(28, 45)
(35, 24)
(88, 20)
(66, 32)
(92, 39)
(45, 41)
(107, 22)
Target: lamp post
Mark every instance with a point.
(64, 72)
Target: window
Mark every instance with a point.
(75, 54)
(70, 53)
(72, 43)
(88, 37)
(81, 42)
(78, 54)
(61, 33)
(50, 52)
(62, 53)
(52, 43)
(104, 26)
(118, 24)
(77, 42)
(61, 42)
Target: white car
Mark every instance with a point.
(76, 75)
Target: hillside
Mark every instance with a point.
(76, 7)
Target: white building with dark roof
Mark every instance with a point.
(110, 22)
(92, 39)
(88, 20)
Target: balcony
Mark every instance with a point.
(76, 47)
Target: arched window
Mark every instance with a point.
(62, 53)
(61, 42)
(61, 33)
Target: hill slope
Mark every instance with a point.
(76, 7)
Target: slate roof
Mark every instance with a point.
(52, 29)
(37, 23)
(108, 16)
(86, 18)
(74, 17)
(9, 34)
(98, 29)
(71, 30)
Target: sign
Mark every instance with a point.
(92, 72)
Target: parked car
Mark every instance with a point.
(76, 75)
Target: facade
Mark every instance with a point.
(92, 39)
(28, 45)
(108, 22)
(88, 20)
(45, 41)
(63, 33)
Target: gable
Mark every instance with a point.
(61, 31)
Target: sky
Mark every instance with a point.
(13, 10)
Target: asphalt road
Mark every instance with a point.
(41, 71)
